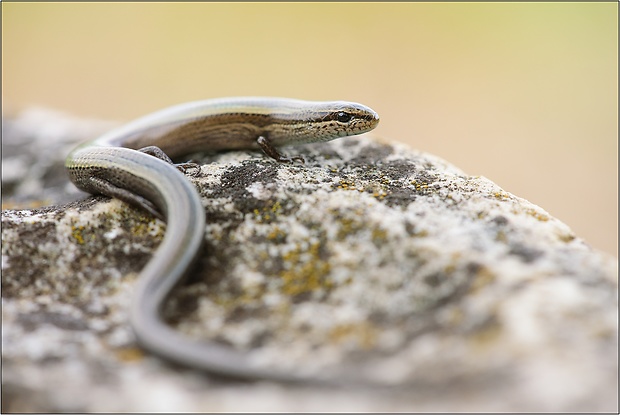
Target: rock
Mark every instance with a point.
(371, 260)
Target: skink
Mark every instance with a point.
(133, 164)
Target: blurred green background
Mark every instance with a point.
(522, 93)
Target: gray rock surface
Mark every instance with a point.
(371, 260)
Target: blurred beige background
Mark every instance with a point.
(523, 93)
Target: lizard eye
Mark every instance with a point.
(343, 117)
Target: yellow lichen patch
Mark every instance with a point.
(268, 212)
(129, 354)
(379, 194)
(450, 268)
(501, 237)
(377, 190)
(420, 234)
(567, 237)
(76, 233)
(225, 301)
(347, 227)
(537, 215)
(143, 226)
(276, 234)
(419, 186)
(306, 272)
(346, 185)
(276, 207)
(349, 185)
(501, 195)
(362, 334)
(379, 236)
(230, 301)
(349, 222)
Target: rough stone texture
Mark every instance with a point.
(372, 260)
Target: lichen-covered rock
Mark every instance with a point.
(371, 260)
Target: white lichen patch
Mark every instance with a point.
(259, 191)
